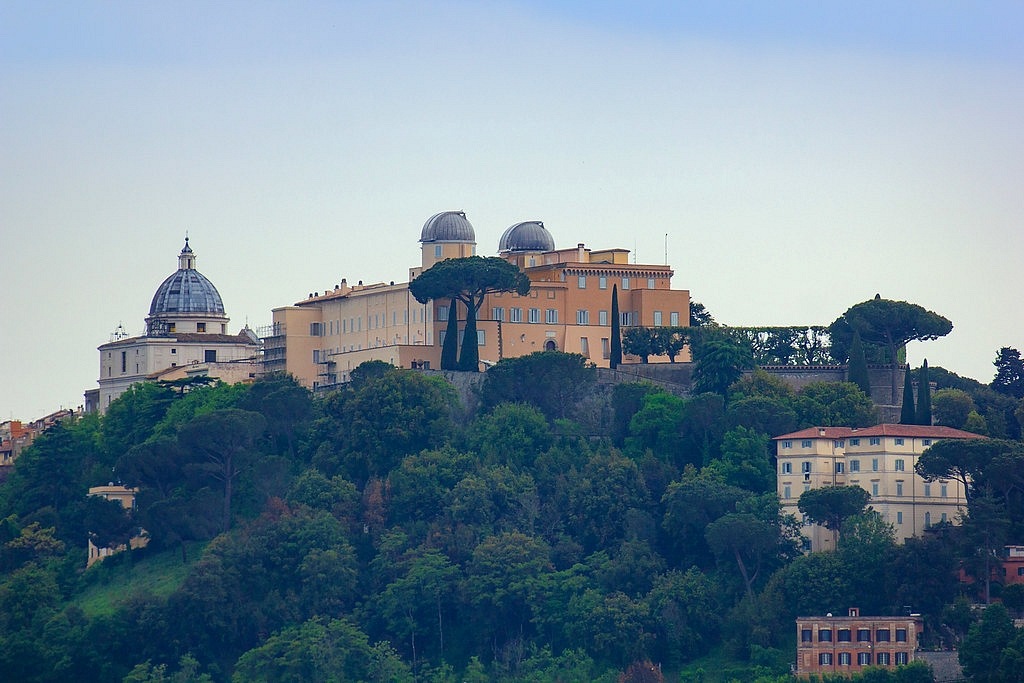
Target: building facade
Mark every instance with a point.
(845, 645)
(186, 327)
(323, 337)
(880, 459)
(126, 497)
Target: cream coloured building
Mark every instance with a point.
(881, 460)
(323, 337)
(186, 327)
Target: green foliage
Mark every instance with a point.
(468, 280)
(1009, 377)
(908, 413)
(952, 407)
(550, 380)
(510, 434)
(834, 404)
(745, 461)
(857, 370)
(798, 345)
(992, 650)
(832, 505)
(642, 342)
(924, 397)
(720, 361)
(615, 353)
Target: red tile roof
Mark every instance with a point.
(911, 431)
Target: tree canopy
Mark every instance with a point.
(469, 280)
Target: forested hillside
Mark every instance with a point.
(375, 534)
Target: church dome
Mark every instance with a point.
(527, 236)
(448, 226)
(187, 290)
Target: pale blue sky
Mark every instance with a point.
(800, 156)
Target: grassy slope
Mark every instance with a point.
(115, 579)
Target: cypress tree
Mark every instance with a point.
(450, 347)
(857, 369)
(615, 356)
(908, 415)
(924, 396)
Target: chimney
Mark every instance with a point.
(855, 611)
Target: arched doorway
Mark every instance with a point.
(550, 345)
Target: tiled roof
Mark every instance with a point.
(911, 431)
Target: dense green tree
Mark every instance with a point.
(691, 504)
(831, 506)
(834, 404)
(130, 419)
(685, 610)
(700, 316)
(890, 324)
(510, 434)
(320, 650)
(857, 367)
(550, 380)
(627, 400)
(642, 342)
(615, 354)
(657, 426)
(604, 499)
(742, 538)
(951, 407)
(991, 652)
(286, 405)
(908, 412)
(720, 361)
(1009, 377)
(469, 280)
(226, 440)
(745, 461)
(924, 396)
(961, 459)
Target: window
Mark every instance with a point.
(581, 282)
(926, 442)
(874, 488)
(899, 488)
(315, 329)
(787, 468)
(498, 313)
(927, 519)
(864, 658)
(605, 349)
(515, 315)
(582, 317)
(844, 659)
(882, 659)
(602, 282)
(806, 635)
(825, 658)
(806, 443)
(874, 464)
(625, 283)
(855, 465)
(584, 347)
(843, 636)
(943, 491)
(899, 517)
(875, 441)
(124, 361)
(481, 337)
(200, 327)
(174, 351)
(882, 635)
(898, 465)
(901, 635)
(534, 315)
(824, 635)
(898, 441)
(602, 318)
(673, 319)
(838, 443)
(442, 313)
(902, 658)
(210, 356)
(787, 444)
(927, 490)
(805, 466)
(657, 318)
(551, 316)
(943, 518)
(839, 468)
(650, 283)
(854, 442)
(787, 492)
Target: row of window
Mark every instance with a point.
(926, 493)
(898, 465)
(845, 635)
(515, 315)
(375, 321)
(602, 282)
(864, 658)
(841, 443)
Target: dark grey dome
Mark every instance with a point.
(448, 226)
(187, 290)
(527, 236)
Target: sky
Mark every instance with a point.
(789, 159)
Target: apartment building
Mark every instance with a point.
(880, 459)
(847, 644)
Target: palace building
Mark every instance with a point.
(880, 459)
(186, 334)
(322, 338)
